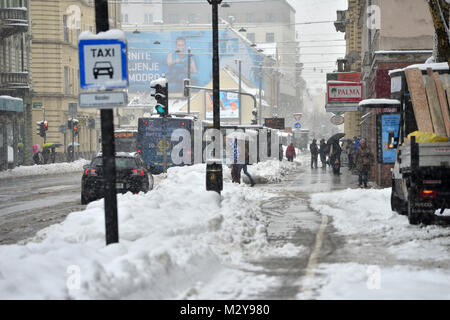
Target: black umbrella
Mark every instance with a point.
(335, 137)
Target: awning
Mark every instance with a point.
(13, 104)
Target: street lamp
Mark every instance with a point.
(214, 174)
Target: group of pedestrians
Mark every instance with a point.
(360, 158)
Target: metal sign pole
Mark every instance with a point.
(108, 152)
(164, 127)
(189, 77)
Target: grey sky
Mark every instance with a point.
(320, 55)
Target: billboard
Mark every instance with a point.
(387, 123)
(229, 105)
(152, 54)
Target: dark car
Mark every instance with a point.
(103, 68)
(131, 175)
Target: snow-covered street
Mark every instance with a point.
(300, 233)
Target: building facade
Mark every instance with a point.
(56, 27)
(267, 24)
(393, 34)
(15, 78)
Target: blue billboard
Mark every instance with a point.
(388, 124)
(152, 54)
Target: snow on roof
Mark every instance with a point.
(245, 87)
(11, 98)
(403, 51)
(110, 34)
(378, 101)
(336, 81)
(424, 66)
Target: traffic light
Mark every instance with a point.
(46, 125)
(161, 95)
(255, 116)
(41, 128)
(69, 124)
(186, 83)
(75, 127)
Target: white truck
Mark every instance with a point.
(421, 174)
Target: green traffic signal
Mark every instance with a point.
(160, 109)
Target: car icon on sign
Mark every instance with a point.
(103, 68)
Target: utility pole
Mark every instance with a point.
(108, 149)
(240, 89)
(189, 77)
(214, 171)
(261, 74)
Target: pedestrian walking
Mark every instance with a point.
(70, 153)
(349, 149)
(290, 152)
(323, 153)
(314, 149)
(363, 161)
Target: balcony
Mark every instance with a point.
(341, 22)
(13, 21)
(14, 80)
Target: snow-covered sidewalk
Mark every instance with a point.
(388, 258)
(44, 169)
(177, 241)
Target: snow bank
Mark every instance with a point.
(39, 170)
(352, 281)
(174, 240)
(368, 211)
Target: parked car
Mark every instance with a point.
(131, 175)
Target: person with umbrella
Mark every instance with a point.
(335, 152)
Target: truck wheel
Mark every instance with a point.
(84, 200)
(398, 205)
(413, 217)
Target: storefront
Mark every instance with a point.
(11, 132)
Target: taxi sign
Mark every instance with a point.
(103, 63)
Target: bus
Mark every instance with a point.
(125, 140)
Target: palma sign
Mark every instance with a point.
(343, 96)
(345, 92)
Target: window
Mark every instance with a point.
(173, 18)
(66, 80)
(125, 18)
(148, 18)
(250, 17)
(193, 18)
(270, 17)
(66, 29)
(251, 37)
(270, 37)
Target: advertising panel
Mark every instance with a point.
(387, 124)
(152, 54)
(229, 105)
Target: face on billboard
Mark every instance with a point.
(149, 61)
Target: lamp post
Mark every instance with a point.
(214, 174)
(189, 77)
(240, 89)
(261, 74)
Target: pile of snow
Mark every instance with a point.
(353, 281)
(271, 170)
(366, 219)
(174, 241)
(45, 169)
